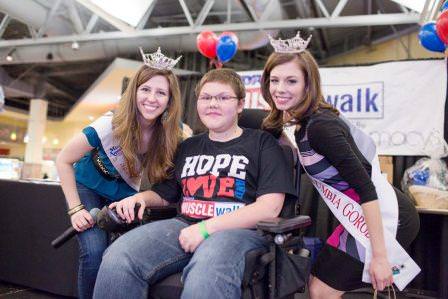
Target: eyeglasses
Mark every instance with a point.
(218, 98)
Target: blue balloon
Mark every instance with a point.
(429, 39)
(226, 48)
(444, 6)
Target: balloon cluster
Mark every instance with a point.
(219, 49)
(433, 35)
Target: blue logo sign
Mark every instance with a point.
(357, 100)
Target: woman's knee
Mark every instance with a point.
(315, 293)
(92, 245)
(320, 290)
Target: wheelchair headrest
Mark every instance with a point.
(252, 118)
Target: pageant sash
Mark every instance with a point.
(103, 127)
(349, 213)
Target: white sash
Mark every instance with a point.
(103, 127)
(350, 215)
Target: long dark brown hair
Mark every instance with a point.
(166, 132)
(312, 100)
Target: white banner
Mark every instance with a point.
(401, 105)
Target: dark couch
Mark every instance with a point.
(32, 215)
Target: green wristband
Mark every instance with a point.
(203, 230)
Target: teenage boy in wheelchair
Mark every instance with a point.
(226, 181)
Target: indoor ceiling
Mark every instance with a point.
(59, 48)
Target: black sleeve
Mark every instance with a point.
(275, 175)
(331, 138)
(170, 189)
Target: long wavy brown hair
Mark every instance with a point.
(166, 131)
(312, 100)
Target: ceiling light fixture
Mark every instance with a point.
(9, 56)
(75, 45)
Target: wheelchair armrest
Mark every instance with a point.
(159, 213)
(283, 225)
(108, 219)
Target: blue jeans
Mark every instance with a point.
(151, 252)
(92, 243)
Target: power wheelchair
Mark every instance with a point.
(277, 272)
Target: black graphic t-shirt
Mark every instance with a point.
(213, 178)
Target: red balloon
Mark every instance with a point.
(442, 27)
(232, 35)
(206, 43)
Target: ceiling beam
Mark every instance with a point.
(4, 24)
(141, 24)
(319, 33)
(267, 10)
(186, 12)
(229, 11)
(249, 10)
(92, 22)
(405, 46)
(50, 16)
(338, 9)
(346, 21)
(339, 52)
(369, 7)
(430, 10)
(32, 31)
(203, 13)
(61, 87)
(117, 23)
(14, 86)
(322, 8)
(74, 16)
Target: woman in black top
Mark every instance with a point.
(341, 162)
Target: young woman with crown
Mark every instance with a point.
(377, 220)
(105, 163)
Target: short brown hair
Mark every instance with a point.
(225, 76)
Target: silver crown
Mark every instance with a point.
(292, 45)
(158, 61)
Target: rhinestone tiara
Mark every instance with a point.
(292, 45)
(158, 61)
